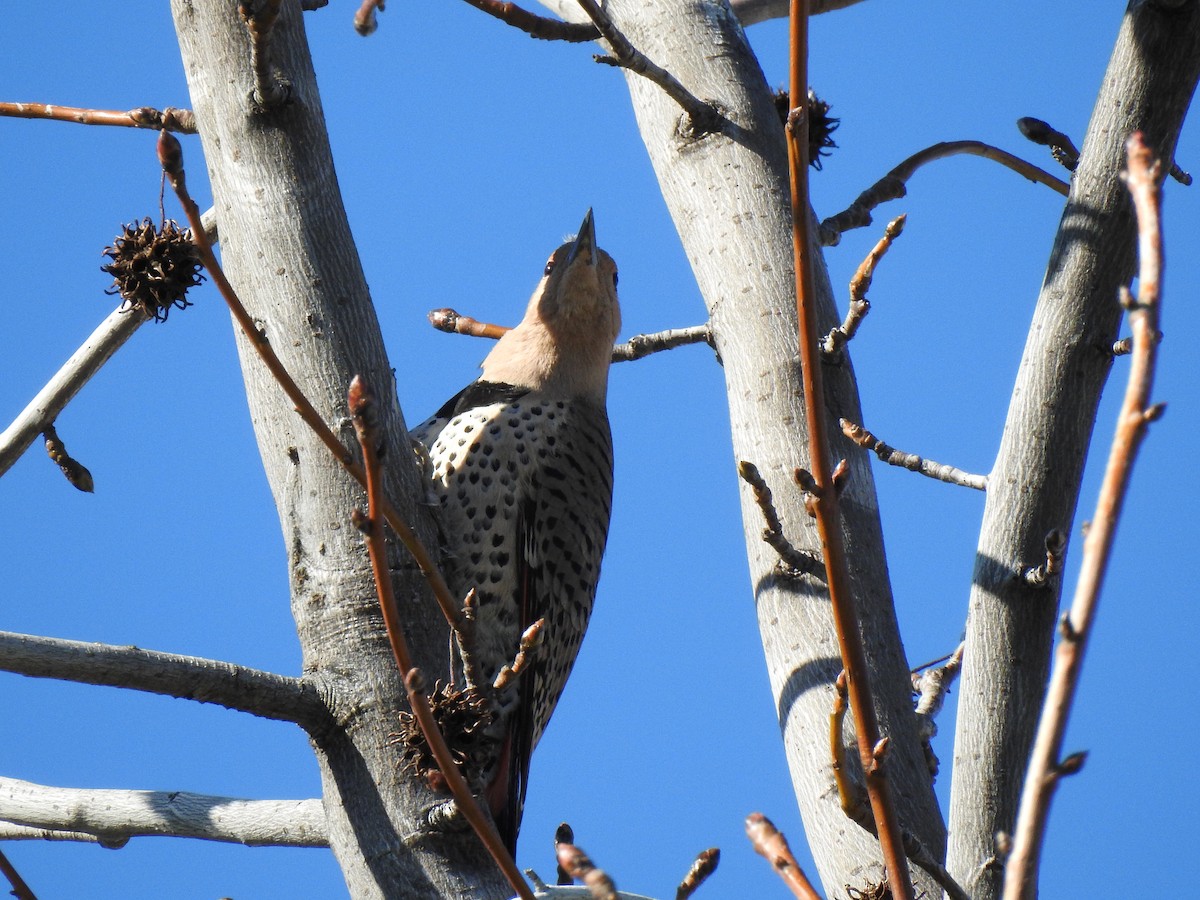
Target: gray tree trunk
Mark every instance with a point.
(1034, 485)
(287, 248)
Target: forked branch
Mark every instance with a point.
(1046, 766)
(894, 184)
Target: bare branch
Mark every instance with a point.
(1045, 769)
(794, 562)
(112, 817)
(453, 322)
(20, 889)
(187, 677)
(535, 26)
(769, 843)
(893, 185)
(271, 88)
(1056, 545)
(705, 117)
(73, 470)
(531, 639)
(170, 118)
(859, 284)
(644, 344)
(911, 461)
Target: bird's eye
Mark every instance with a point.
(549, 266)
(614, 278)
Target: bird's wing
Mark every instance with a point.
(562, 529)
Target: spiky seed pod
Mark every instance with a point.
(821, 125)
(462, 716)
(153, 268)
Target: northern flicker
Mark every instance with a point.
(521, 464)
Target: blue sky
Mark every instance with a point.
(465, 152)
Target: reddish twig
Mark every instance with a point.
(859, 284)
(773, 846)
(171, 156)
(576, 864)
(705, 864)
(911, 461)
(365, 20)
(363, 408)
(539, 27)
(1046, 766)
(825, 505)
(892, 186)
(453, 322)
(271, 89)
(20, 889)
(171, 118)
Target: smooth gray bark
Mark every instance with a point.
(287, 248)
(1034, 485)
(728, 195)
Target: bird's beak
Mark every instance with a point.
(585, 241)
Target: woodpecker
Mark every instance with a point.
(521, 465)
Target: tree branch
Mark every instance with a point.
(112, 817)
(893, 185)
(1045, 768)
(772, 846)
(253, 691)
(911, 461)
(170, 118)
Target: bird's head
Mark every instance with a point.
(564, 343)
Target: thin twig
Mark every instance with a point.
(1124, 346)
(271, 89)
(893, 185)
(578, 865)
(171, 156)
(453, 322)
(705, 118)
(795, 562)
(773, 847)
(1039, 576)
(911, 461)
(930, 687)
(364, 409)
(1062, 148)
(260, 693)
(1046, 766)
(539, 27)
(644, 344)
(112, 817)
(826, 504)
(859, 284)
(171, 118)
(704, 865)
(531, 639)
(20, 889)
